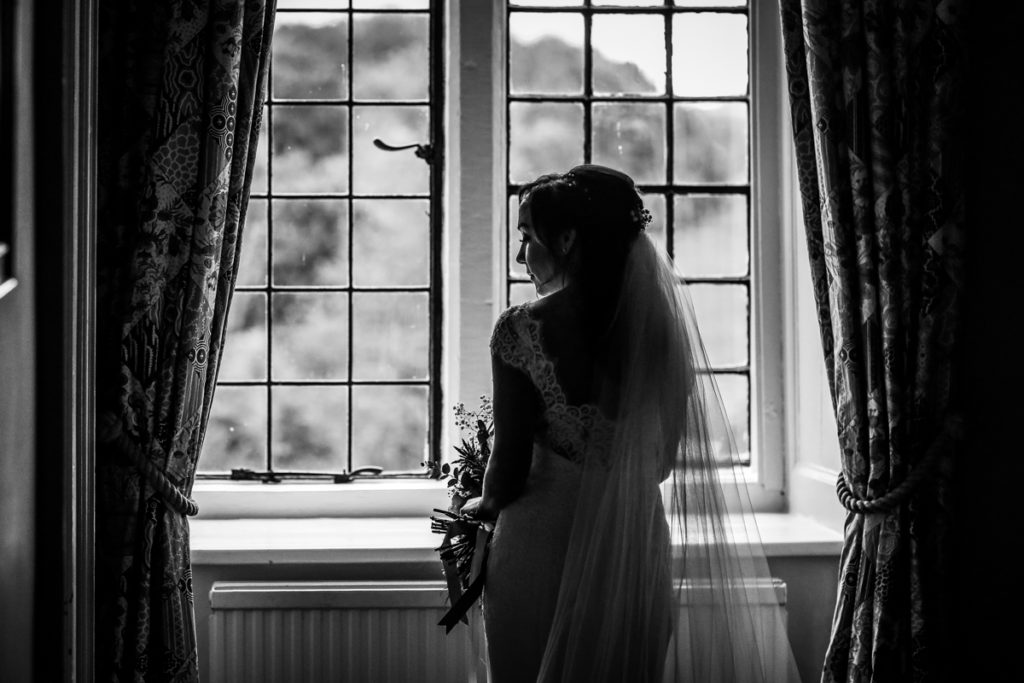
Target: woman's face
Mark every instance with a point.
(539, 261)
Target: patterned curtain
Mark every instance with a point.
(876, 89)
(181, 86)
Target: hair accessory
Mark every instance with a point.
(642, 217)
(574, 181)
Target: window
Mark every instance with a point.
(332, 355)
(685, 95)
(662, 92)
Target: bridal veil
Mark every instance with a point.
(665, 578)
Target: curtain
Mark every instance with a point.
(181, 87)
(876, 95)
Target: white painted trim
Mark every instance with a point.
(390, 540)
(254, 500)
(331, 595)
(476, 168)
(812, 448)
(767, 370)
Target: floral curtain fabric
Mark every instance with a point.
(181, 87)
(876, 95)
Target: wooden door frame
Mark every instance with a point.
(64, 111)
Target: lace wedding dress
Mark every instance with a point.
(524, 567)
(621, 561)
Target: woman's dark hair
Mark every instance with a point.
(606, 211)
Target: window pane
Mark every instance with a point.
(262, 152)
(391, 242)
(631, 137)
(544, 138)
(711, 235)
(722, 319)
(389, 427)
(390, 4)
(310, 149)
(735, 390)
(545, 53)
(310, 242)
(237, 432)
(391, 335)
(391, 56)
(252, 266)
(310, 336)
(245, 340)
(709, 54)
(310, 56)
(312, 4)
(711, 143)
(546, 3)
(310, 428)
(628, 3)
(520, 293)
(629, 53)
(385, 172)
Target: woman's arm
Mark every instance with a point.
(516, 412)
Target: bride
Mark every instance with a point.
(613, 556)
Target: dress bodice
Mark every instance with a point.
(565, 429)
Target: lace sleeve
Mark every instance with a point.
(510, 340)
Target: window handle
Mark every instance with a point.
(424, 151)
(245, 474)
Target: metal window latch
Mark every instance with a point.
(359, 472)
(245, 474)
(424, 150)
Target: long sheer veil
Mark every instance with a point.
(633, 606)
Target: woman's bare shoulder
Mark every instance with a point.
(561, 306)
(560, 320)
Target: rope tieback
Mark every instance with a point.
(109, 430)
(952, 431)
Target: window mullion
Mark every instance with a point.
(268, 297)
(351, 229)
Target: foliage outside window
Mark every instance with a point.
(327, 365)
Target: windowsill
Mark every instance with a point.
(388, 540)
(232, 500)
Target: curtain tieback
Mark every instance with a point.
(109, 430)
(952, 431)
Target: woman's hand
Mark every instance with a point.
(476, 508)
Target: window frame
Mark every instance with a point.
(434, 288)
(474, 267)
(485, 147)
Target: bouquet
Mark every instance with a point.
(463, 551)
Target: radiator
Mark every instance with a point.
(371, 632)
(337, 631)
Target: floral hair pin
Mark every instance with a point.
(642, 217)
